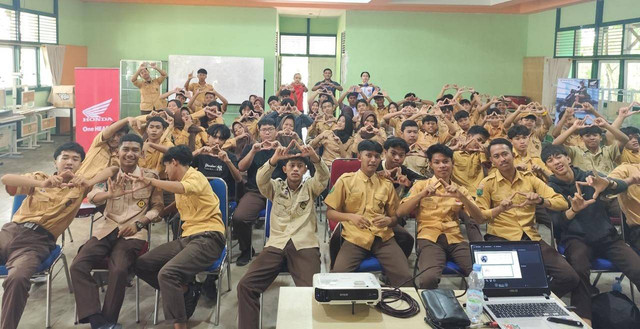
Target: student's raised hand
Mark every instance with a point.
(578, 202)
(222, 155)
(52, 181)
(530, 198)
(116, 189)
(190, 76)
(507, 203)
(451, 191)
(600, 122)
(153, 65)
(597, 182)
(428, 191)
(382, 221)
(308, 151)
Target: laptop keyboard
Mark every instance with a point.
(526, 310)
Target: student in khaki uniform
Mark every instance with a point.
(103, 151)
(292, 239)
(366, 204)
(415, 159)
(566, 119)
(201, 85)
(431, 134)
(51, 204)
(528, 116)
(210, 96)
(210, 115)
(520, 136)
(119, 235)
(172, 267)
(507, 199)
(631, 152)
(439, 202)
(149, 88)
(493, 123)
(336, 142)
(157, 132)
(630, 200)
(469, 159)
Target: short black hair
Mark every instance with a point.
(246, 104)
(461, 115)
(266, 122)
(494, 110)
(500, 141)
(478, 130)
(69, 146)
(158, 119)
(428, 118)
(131, 138)
(285, 93)
(412, 104)
(408, 123)
(396, 142)
(550, 150)
(178, 103)
(464, 101)
(215, 104)
(201, 71)
(590, 130)
(287, 101)
(352, 94)
(369, 145)
(439, 148)
(180, 153)
(630, 131)
(409, 95)
(219, 129)
(273, 98)
(328, 100)
(530, 116)
(361, 74)
(362, 101)
(327, 69)
(518, 130)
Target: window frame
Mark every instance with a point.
(307, 34)
(18, 44)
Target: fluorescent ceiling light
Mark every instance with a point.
(333, 1)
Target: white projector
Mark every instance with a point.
(346, 288)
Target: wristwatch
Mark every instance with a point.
(140, 225)
(541, 201)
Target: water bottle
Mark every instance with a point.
(475, 297)
(617, 285)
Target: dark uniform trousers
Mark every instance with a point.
(433, 257)
(245, 215)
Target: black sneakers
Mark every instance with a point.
(245, 257)
(210, 288)
(191, 298)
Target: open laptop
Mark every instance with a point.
(517, 294)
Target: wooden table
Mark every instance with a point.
(297, 309)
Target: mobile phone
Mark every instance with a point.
(568, 322)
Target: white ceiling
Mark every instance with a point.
(450, 2)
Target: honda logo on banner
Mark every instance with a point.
(97, 102)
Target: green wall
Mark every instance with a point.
(539, 27)
(420, 52)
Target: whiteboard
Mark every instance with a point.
(235, 78)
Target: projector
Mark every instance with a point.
(346, 288)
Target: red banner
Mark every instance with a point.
(97, 102)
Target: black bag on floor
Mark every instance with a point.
(614, 309)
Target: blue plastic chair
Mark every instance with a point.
(267, 233)
(46, 267)
(221, 265)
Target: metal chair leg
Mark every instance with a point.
(66, 272)
(48, 310)
(155, 308)
(137, 283)
(216, 320)
(70, 236)
(228, 275)
(260, 323)
(326, 230)
(632, 288)
(595, 282)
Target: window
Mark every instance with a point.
(28, 27)
(610, 40)
(585, 40)
(28, 66)
(583, 70)
(8, 30)
(321, 45)
(6, 68)
(45, 74)
(632, 78)
(38, 28)
(609, 72)
(564, 43)
(632, 39)
(293, 44)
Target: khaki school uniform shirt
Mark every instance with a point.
(333, 146)
(628, 156)
(52, 208)
(98, 157)
(150, 93)
(293, 215)
(495, 132)
(630, 199)
(199, 113)
(198, 206)
(530, 160)
(129, 208)
(194, 86)
(511, 224)
(602, 161)
(573, 140)
(380, 113)
(535, 141)
(416, 160)
(467, 169)
(438, 215)
(374, 196)
(425, 140)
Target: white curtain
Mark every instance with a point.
(554, 69)
(54, 60)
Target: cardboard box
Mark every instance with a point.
(63, 96)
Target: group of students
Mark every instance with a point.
(445, 162)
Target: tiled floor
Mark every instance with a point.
(62, 315)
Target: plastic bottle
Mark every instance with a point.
(475, 296)
(617, 285)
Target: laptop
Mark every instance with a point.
(517, 294)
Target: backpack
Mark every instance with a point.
(614, 309)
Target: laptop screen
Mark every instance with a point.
(512, 266)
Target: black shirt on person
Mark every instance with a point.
(211, 166)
